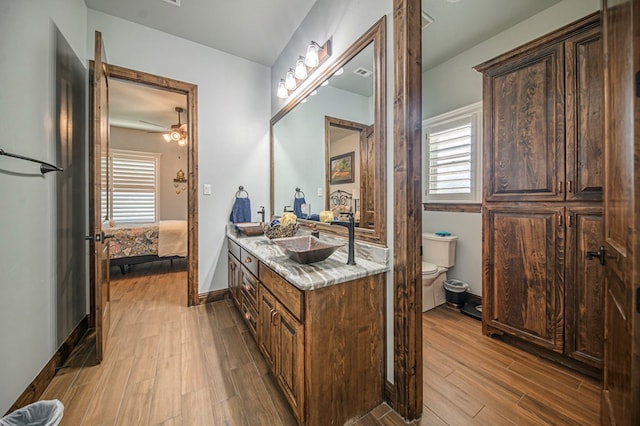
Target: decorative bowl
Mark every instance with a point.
(306, 249)
(250, 228)
(280, 231)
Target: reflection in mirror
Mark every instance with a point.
(329, 142)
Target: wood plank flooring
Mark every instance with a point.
(167, 364)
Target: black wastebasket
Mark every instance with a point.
(455, 292)
(40, 413)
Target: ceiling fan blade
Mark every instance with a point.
(153, 124)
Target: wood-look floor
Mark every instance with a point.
(167, 364)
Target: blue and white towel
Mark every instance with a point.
(241, 211)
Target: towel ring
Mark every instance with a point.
(298, 194)
(240, 191)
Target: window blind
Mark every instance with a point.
(449, 158)
(134, 187)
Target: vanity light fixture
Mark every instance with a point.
(290, 80)
(315, 92)
(339, 72)
(301, 69)
(304, 66)
(324, 83)
(282, 93)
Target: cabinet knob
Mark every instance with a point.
(247, 260)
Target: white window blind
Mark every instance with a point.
(134, 178)
(451, 151)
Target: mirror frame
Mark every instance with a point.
(376, 35)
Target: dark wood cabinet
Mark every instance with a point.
(325, 346)
(542, 200)
(235, 279)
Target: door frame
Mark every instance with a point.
(191, 91)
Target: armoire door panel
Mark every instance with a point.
(584, 281)
(584, 128)
(525, 276)
(525, 138)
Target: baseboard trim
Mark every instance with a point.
(39, 384)
(474, 298)
(389, 389)
(213, 296)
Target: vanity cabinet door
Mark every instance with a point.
(265, 333)
(235, 275)
(290, 359)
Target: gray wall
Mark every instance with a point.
(172, 206)
(29, 317)
(455, 84)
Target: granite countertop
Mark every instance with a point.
(370, 260)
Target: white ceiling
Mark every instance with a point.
(461, 24)
(258, 30)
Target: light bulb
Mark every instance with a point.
(315, 92)
(290, 80)
(339, 72)
(324, 83)
(167, 137)
(301, 69)
(311, 59)
(282, 91)
(182, 142)
(175, 135)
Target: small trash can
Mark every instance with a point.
(455, 292)
(40, 413)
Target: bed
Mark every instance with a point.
(141, 243)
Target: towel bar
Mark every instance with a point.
(44, 167)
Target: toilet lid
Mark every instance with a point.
(429, 268)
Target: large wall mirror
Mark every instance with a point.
(328, 145)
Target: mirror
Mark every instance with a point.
(329, 143)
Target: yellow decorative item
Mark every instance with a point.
(288, 218)
(326, 216)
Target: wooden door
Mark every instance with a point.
(265, 333)
(523, 282)
(368, 174)
(98, 192)
(584, 128)
(621, 379)
(290, 359)
(584, 327)
(524, 127)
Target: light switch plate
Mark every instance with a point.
(320, 191)
(206, 189)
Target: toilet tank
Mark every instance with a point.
(440, 251)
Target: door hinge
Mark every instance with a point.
(638, 84)
(638, 300)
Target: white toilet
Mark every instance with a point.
(438, 254)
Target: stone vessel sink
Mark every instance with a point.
(306, 249)
(250, 228)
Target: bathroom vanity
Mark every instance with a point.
(320, 326)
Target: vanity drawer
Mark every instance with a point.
(288, 295)
(249, 261)
(250, 316)
(234, 248)
(249, 288)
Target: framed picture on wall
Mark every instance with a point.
(341, 167)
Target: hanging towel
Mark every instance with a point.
(297, 207)
(241, 211)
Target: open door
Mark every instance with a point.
(619, 255)
(98, 194)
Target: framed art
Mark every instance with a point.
(341, 167)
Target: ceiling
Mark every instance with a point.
(262, 34)
(257, 30)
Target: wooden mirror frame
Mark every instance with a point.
(376, 35)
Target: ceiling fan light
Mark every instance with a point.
(182, 142)
(301, 69)
(175, 135)
(311, 59)
(282, 93)
(167, 137)
(290, 80)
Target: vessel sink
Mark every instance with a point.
(306, 249)
(250, 228)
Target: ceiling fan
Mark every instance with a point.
(178, 131)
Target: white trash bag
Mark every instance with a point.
(40, 413)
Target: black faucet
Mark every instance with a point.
(261, 212)
(351, 225)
